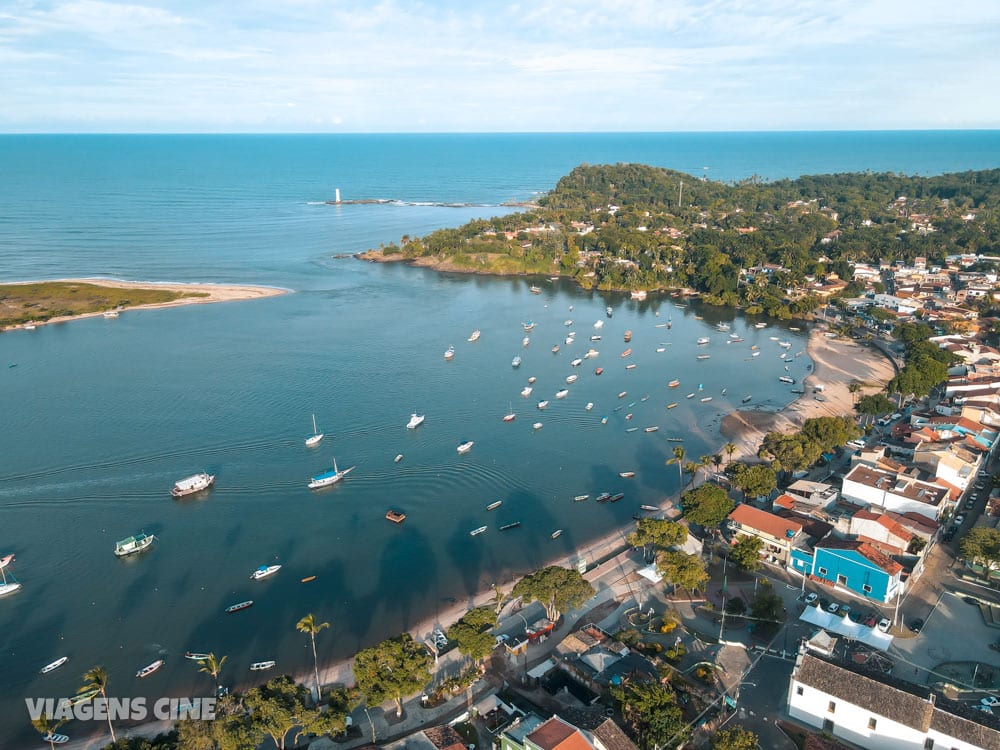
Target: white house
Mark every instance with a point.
(869, 712)
(900, 493)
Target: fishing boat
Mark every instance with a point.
(415, 421)
(6, 560)
(654, 428)
(465, 447)
(528, 325)
(86, 695)
(398, 458)
(628, 336)
(786, 379)
(475, 335)
(571, 379)
(672, 405)
(706, 399)
(623, 394)
(562, 393)
(536, 426)
(192, 484)
(556, 533)
(395, 516)
(54, 665)
(603, 497)
(589, 406)
(195, 655)
(630, 367)
(494, 505)
(477, 532)
(703, 356)
(673, 383)
(578, 361)
(626, 353)
(308, 579)
(260, 666)
(531, 380)
(329, 477)
(650, 508)
(526, 391)
(55, 739)
(149, 669)
(240, 606)
(628, 417)
(449, 353)
(132, 544)
(516, 362)
(626, 474)
(314, 439)
(703, 340)
(598, 370)
(264, 571)
(580, 498)
(555, 349)
(509, 526)
(542, 404)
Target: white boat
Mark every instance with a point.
(516, 362)
(626, 474)
(556, 533)
(760, 325)
(148, 670)
(260, 666)
(580, 498)
(54, 665)
(604, 420)
(477, 532)
(595, 338)
(703, 356)
(542, 404)
(563, 393)
(654, 428)
(526, 341)
(6, 560)
(494, 505)
(786, 379)
(415, 421)
(55, 739)
(599, 325)
(192, 484)
(510, 416)
(535, 290)
(577, 362)
(449, 353)
(589, 406)
(536, 426)
(264, 571)
(531, 380)
(398, 458)
(313, 440)
(706, 399)
(660, 349)
(526, 391)
(567, 323)
(328, 477)
(132, 544)
(609, 311)
(475, 335)
(703, 340)
(754, 354)
(555, 348)
(569, 340)
(29, 326)
(110, 314)
(528, 325)
(591, 353)
(196, 655)
(571, 378)
(630, 367)
(465, 447)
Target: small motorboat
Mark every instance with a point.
(628, 417)
(398, 458)
(571, 379)
(599, 371)
(149, 669)
(54, 665)
(526, 391)
(240, 606)
(195, 655)
(628, 336)
(603, 497)
(494, 505)
(675, 440)
(660, 349)
(673, 383)
(630, 367)
(604, 420)
(264, 571)
(690, 395)
(747, 398)
(623, 394)
(555, 348)
(535, 290)
(556, 533)
(465, 447)
(449, 353)
(616, 498)
(672, 405)
(567, 323)
(516, 362)
(260, 666)
(626, 353)
(528, 325)
(563, 393)
(589, 406)
(308, 579)
(509, 526)
(576, 362)
(703, 356)
(654, 428)
(536, 426)
(645, 397)
(395, 516)
(477, 532)
(580, 498)
(650, 508)
(475, 335)
(415, 421)
(526, 341)
(706, 399)
(599, 324)
(595, 337)
(542, 404)
(531, 380)
(626, 474)
(632, 429)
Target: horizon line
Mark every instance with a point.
(487, 132)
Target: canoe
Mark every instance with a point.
(238, 607)
(307, 579)
(54, 665)
(259, 666)
(149, 669)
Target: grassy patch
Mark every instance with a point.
(21, 303)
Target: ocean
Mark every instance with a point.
(102, 416)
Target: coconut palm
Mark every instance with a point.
(309, 626)
(704, 462)
(679, 460)
(717, 461)
(211, 665)
(96, 678)
(853, 389)
(47, 728)
(730, 449)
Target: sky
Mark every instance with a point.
(484, 66)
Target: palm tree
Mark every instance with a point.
(498, 599)
(730, 449)
(704, 462)
(679, 460)
(717, 461)
(853, 388)
(212, 666)
(691, 467)
(47, 728)
(309, 626)
(96, 678)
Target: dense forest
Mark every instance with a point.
(630, 226)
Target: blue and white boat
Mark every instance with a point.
(328, 477)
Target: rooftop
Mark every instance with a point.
(872, 555)
(761, 520)
(556, 734)
(898, 485)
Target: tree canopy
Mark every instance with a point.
(746, 552)
(753, 479)
(392, 669)
(557, 588)
(472, 633)
(658, 532)
(706, 505)
(735, 738)
(651, 713)
(982, 547)
(682, 569)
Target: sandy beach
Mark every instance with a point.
(211, 293)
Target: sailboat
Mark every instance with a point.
(510, 415)
(313, 440)
(328, 477)
(5, 587)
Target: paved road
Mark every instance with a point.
(762, 697)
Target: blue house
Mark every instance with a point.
(857, 566)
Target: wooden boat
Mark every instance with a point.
(673, 384)
(149, 669)
(264, 571)
(494, 505)
(192, 484)
(623, 394)
(477, 532)
(628, 336)
(654, 428)
(626, 474)
(240, 606)
(260, 666)
(132, 544)
(509, 526)
(313, 440)
(672, 405)
(86, 695)
(195, 655)
(626, 353)
(556, 533)
(395, 516)
(308, 579)
(54, 665)
(603, 497)
(580, 498)
(616, 498)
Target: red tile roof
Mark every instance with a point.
(556, 734)
(761, 520)
(864, 549)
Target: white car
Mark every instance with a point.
(811, 599)
(832, 609)
(884, 625)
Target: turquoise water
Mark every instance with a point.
(102, 416)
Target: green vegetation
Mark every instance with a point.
(631, 226)
(682, 569)
(651, 714)
(981, 546)
(472, 633)
(706, 505)
(556, 588)
(874, 404)
(21, 303)
(818, 436)
(658, 533)
(753, 479)
(926, 364)
(310, 627)
(736, 738)
(746, 552)
(392, 669)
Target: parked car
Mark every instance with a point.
(970, 504)
(832, 609)
(990, 700)
(844, 610)
(959, 519)
(884, 625)
(871, 621)
(811, 599)
(916, 625)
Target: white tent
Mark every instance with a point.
(651, 573)
(845, 626)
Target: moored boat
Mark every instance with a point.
(6, 560)
(556, 533)
(535, 290)
(54, 665)
(660, 349)
(528, 325)
(54, 738)
(196, 655)
(449, 353)
(132, 544)
(536, 426)
(626, 474)
(654, 428)
(632, 429)
(477, 532)
(672, 405)
(603, 497)
(571, 379)
(260, 666)
(398, 458)
(308, 579)
(580, 498)
(542, 404)
(626, 353)
(149, 669)
(562, 393)
(531, 380)
(786, 379)
(494, 505)
(110, 313)
(616, 498)
(240, 606)
(675, 440)
(475, 335)
(703, 356)
(673, 383)
(264, 571)
(703, 340)
(329, 477)
(747, 398)
(194, 483)
(415, 421)
(628, 336)
(650, 508)
(598, 370)
(395, 516)
(630, 367)
(314, 439)
(526, 341)
(509, 417)
(706, 399)
(516, 362)
(589, 406)
(623, 394)
(526, 391)
(555, 349)
(690, 395)
(609, 311)
(465, 447)
(578, 361)
(509, 526)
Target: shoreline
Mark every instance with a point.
(213, 293)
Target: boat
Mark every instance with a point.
(755, 354)
(591, 353)
(798, 390)
(192, 484)
(577, 362)
(398, 458)
(328, 477)
(526, 391)
(29, 326)
(630, 367)
(571, 378)
(632, 429)
(628, 336)
(6, 560)
(509, 417)
(599, 324)
(673, 384)
(449, 353)
(754, 348)
(395, 516)
(555, 349)
(690, 395)
(650, 508)
(793, 328)
(477, 532)
(526, 341)
(264, 571)
(556, 533)
(703, 340)
(654, 428)
(598, 370)
(528, 325)
(785, 344)
(260, 666)
(475, 335)
(308, 579)
(747, 398)
(509, 526)
(603, 497)
(240, 606)
(626, 353)
(760, 325)
(774, 338)
(542, 404)
(536, 426)
(569, 339)
(672, 405)
(149, 669)
(55, 739)
(110, 313)
(494, 505)
(516, 362)
(701, 386)
(415, 421)
(589, 406)
(314, 439)
(786, 379)
(660, 349)
(604, 420)
(54, 665)
(83, 697)
(595, 337)
(703, 356)
(465, 447)
(195, 655)
(562, 393)
(616, 498)
(626, 474)
(623, 394)
(736, 340)
(722, 326)
(531, 380)
(580, 498)
(132, 544)
(609, 311)
(706, 399)
(639, 294)
(567, 323)
(724, 391)
(675, 440)
(535, 290)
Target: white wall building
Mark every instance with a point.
(899, 493)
